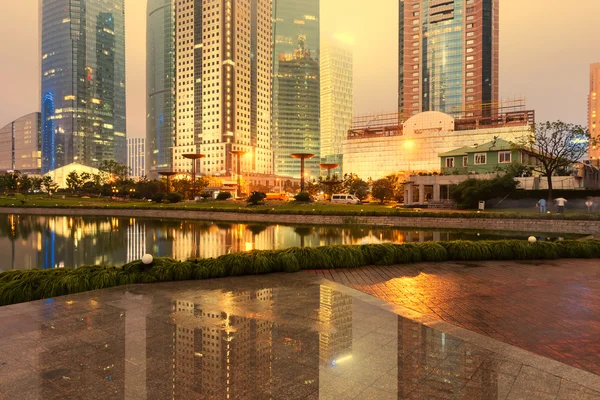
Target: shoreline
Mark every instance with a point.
(567, 226)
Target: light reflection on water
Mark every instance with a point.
(64, 241)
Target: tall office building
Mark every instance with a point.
(136, 157)
(448, 57)
(223, 85)
(336, 100)
(594, 111)
(160, 83)
(296, 85)
(83, 82)
(20, 145)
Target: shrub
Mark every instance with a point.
(467, 194)
(174, 197)
(256, 198)
(303, 197)
(158, 197)
(27, 285)
(224, 196)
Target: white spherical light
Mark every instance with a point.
(532, 239)
(147, 259)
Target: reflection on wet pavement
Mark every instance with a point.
(271, 337)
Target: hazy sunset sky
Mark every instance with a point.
(545, 52)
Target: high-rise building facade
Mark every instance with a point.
(21, 145)
(136, 157)
(336, 100)
(448, 57)
(83, 82)
(296, 85)
(594, 112)
(223, 85)
(160, 82)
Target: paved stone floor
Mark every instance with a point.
(292, 336)
(550, 308)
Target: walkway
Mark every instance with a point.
(281, 337)
(549, 308)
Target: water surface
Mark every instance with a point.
(63, 241)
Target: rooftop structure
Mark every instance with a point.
(377, 146)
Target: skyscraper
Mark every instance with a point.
(223, 85)
(448, 56)
(296, 85)
(160, 81)
(594, 111)
(336, 100)
(83, 82)
(20, 145)
(136, 157)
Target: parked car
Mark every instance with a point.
(345, 199)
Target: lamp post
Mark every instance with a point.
(168, 174)
(194, 157)
(302, 157)
(239, 154)
(329, 182)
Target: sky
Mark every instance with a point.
(545, 52)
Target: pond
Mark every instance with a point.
(62, 241)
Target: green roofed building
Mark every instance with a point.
(486, 158)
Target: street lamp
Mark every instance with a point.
(194, 157)
(329, 182)
(168, 174)
(239, 154)
(302, 157)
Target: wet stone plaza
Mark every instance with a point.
(278, 336)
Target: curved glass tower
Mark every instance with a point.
(83, 82)
(160, 57)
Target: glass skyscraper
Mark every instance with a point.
(160, 126)
(83, 82)
(448, 58)
(296, 85)
(337, 100)
(20, 145)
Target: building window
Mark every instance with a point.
(465, 161)
(480, 159)
(504, 157)
(450, 162)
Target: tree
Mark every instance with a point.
(352, 184)
(48, 185)
(383, 189)
(556, 145)
(112, 170)
(74, 181)
(36, 184)
(467, 194)
(24, 184)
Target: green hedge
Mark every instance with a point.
(27, 285)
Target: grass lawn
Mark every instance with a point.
(280, 207)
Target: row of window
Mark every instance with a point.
(504, 157)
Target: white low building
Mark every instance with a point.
(375, 151)
(59, 175)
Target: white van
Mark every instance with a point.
(345, 199)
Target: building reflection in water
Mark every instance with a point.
(57, 241)
(220, 354)
(250, 344)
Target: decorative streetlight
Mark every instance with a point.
(168, 174)
(329, 182)
(239, 154)
(194, 157)
(302, 157)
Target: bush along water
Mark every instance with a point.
(27, 285)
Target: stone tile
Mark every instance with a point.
(276, 336)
